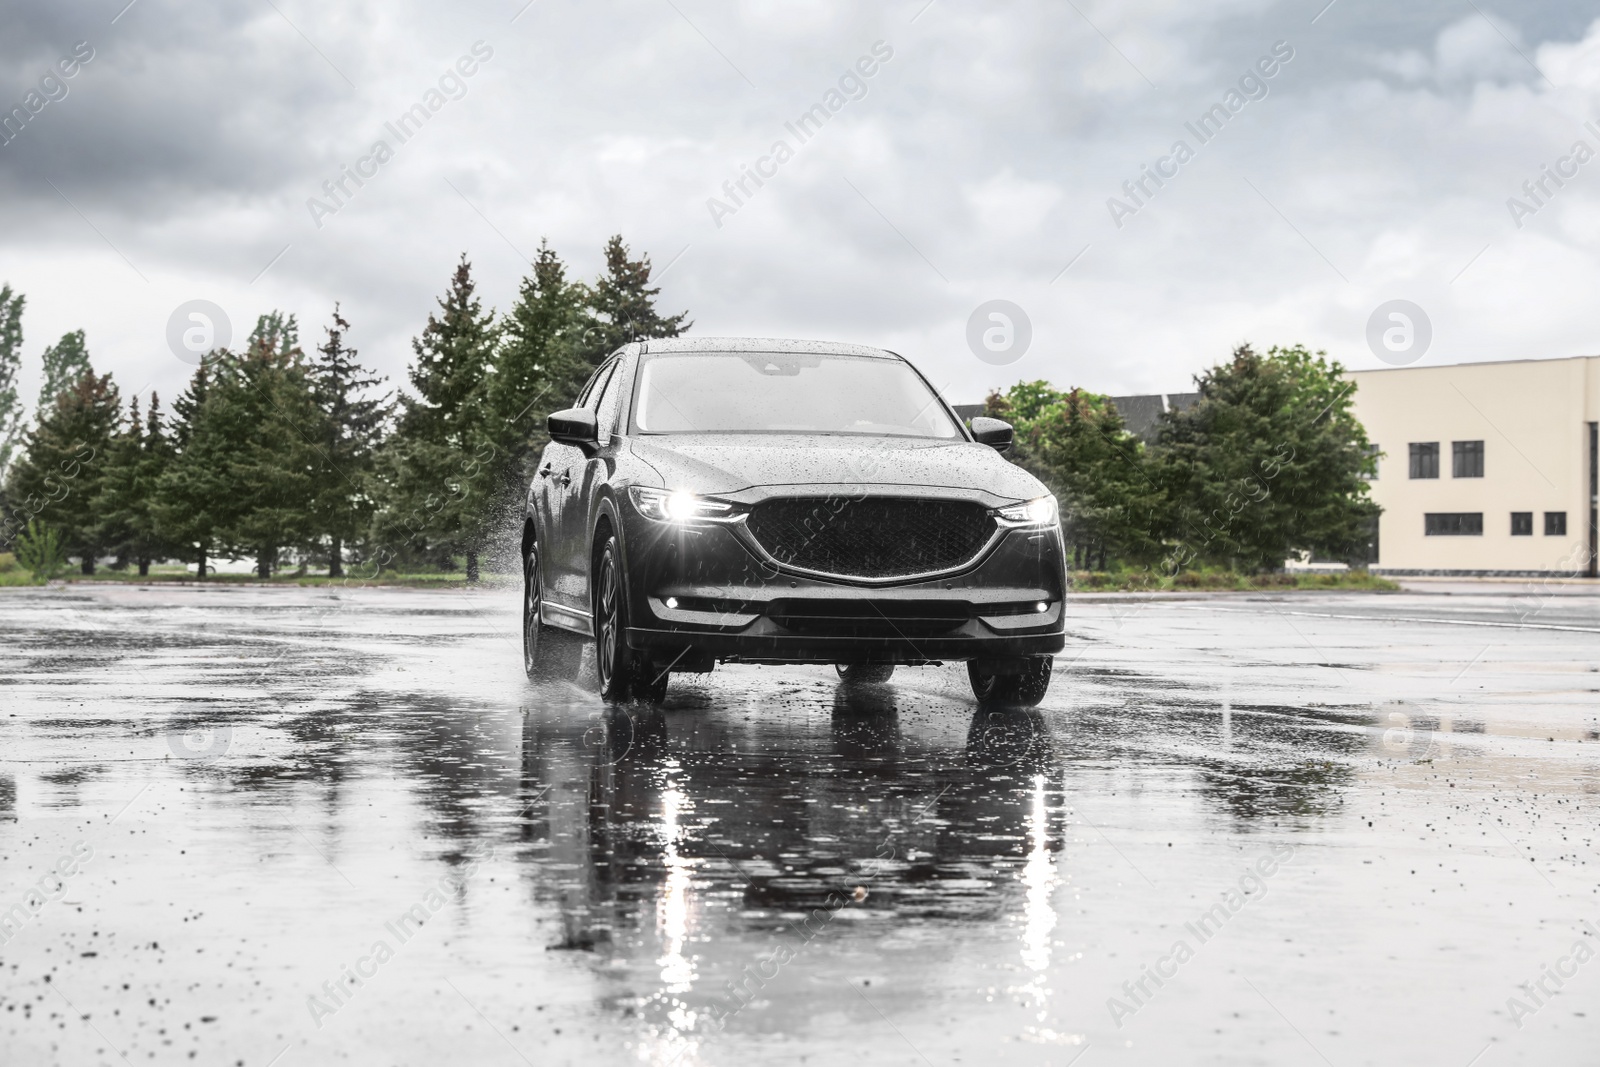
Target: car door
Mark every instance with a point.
(567, 570)
(552, 482)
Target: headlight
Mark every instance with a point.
(677, 506)
(1039, 512)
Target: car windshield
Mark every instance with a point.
(775, 392)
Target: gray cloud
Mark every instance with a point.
(987, 147)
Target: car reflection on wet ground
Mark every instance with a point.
(265, 825)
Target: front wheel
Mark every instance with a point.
(622, 672)
(1019, 683)
(864, 673)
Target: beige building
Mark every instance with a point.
(1487, 468)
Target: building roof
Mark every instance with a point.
(1458, 366)
(1141, 415)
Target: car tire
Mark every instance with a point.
(1018, 684)
(650, 682)
(621, 674)
(864, 673)
(548, 654)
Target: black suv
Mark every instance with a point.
(759, 501)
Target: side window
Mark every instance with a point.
(610, 404)
(588, 391)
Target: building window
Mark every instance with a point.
(1466, 459)
(1555, 524)
(1373, 451)
(1453, 524)
(1425, 459)
(1522, 524)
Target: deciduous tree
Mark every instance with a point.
(1270, 462)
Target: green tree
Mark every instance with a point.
(266, 411)
(58, 476)
(438, 484)
(538, 368)
(40, 552)
(352, 424)
(138, 458)
(1271, 461)
(65, 362)
(1075, 443)
(192, 491)
(10, 365)
(622, 305)
(242, 481)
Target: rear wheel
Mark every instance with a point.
(547, 654)
(864, 673)
(1018, 683)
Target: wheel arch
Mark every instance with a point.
(607, 522)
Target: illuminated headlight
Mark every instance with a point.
(1039, 512)
(676, 506)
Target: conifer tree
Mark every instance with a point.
(622, 304)
(538, 368)
(435, 469)
(192, 491)
(127, 502)
(10, 364)
(269, 421)
(242, 481)
(58, 476)
(353, 420)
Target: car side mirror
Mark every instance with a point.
(992, 432)
(575, 426)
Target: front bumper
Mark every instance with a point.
(732, 604)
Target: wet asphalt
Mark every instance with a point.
(280, 826)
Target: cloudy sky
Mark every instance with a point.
(977, 162)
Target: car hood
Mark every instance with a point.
(724, 464)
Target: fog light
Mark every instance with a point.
(1041, 607)
(672, 601)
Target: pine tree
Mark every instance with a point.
(116, 501)
(58, 476)
(10, 364)
(438, 482)
(192, 491)
(539, 368)
(353, 421)
(264, 408)
(242, 481)
(622, 303)
(127, 502)
(65, 362)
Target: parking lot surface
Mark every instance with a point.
(313, 826)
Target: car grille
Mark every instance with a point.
(871, 537)
(869, 618)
